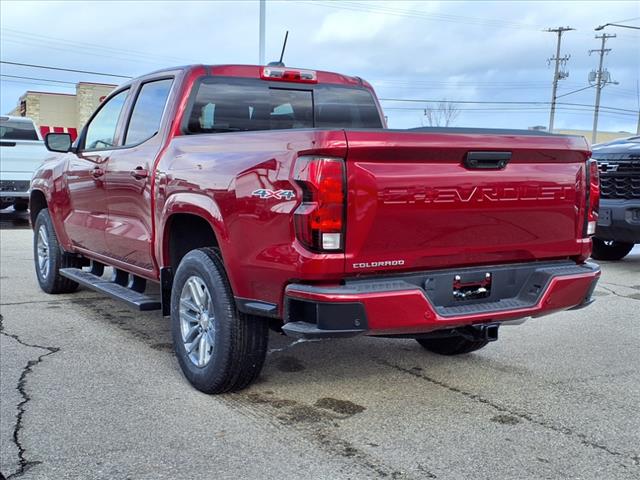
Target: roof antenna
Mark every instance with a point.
(284, 45)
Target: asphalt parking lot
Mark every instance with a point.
(90, 389)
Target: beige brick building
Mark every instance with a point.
(62, 111)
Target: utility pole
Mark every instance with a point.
(558, 74)
(600, 78)
(263, 8)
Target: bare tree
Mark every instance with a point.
(441, 115)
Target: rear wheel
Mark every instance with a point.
(49, 257)
(610, 249)
(455, 345)
(219, 349)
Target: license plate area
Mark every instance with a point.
(471, 286)
(604, 217)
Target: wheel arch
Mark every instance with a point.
(37, 203)
(198, 215)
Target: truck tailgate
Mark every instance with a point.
(414, 201)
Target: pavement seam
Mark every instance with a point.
(54, 302)
(503, 409)
(24, 464)
(619, 294)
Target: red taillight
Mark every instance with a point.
(284, 74)
(319, 220)
(593, 197)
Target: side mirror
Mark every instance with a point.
(58, 142)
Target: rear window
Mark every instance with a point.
(229, 105)
(17, 130)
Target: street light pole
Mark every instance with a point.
(616, 25)
(263, 8)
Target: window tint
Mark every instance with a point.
(147, 111)
(290, 109)
(17, 130)
(101, 131)
(242, 105)
(221, 107)
(346, 108)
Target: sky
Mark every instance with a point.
(471, 53)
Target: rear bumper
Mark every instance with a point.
(14, 189)
(619, 220)
(423, 302)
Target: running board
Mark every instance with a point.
(134, 299)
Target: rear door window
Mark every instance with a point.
(147, 111)
(17, 130)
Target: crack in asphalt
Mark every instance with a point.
(54, 302)
(24, 464)
(519, 414)
(630, 297)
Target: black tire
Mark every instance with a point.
(240, 340)
(610, 250)
(21, 206)
(51, 281)
(456, 345)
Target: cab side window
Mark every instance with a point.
(147, 111)
(101, 132)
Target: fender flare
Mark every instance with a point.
(200, 205)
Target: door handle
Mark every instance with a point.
(97, 172)
(487, 160)
(139, 173)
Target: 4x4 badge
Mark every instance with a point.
(277, 194)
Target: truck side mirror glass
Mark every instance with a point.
(58, 142)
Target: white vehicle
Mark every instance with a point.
(21, 152)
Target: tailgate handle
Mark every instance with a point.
(487, 160)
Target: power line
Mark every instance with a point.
(64, 69)
(495, 102)
(486, 22)
(84, 45)
(35, 78)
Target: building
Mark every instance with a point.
(62, 112)
(601, 137)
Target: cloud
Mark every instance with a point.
(482, 51)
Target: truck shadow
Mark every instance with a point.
(10, 219)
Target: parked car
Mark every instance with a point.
(257, 196)
(618, 228)
(21, 152)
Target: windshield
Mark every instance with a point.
(228, 105)
(17, 130)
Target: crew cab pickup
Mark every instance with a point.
(234, 198)
(618, 228)
(21, 152)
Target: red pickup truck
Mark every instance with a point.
(234, 198)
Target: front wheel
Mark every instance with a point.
(219, 348)
(610, 249)
(455, 345)
(49, 257)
